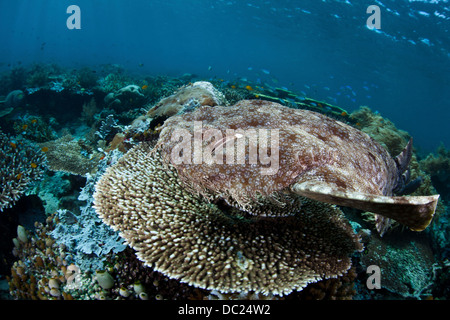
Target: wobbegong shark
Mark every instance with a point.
(317, 157)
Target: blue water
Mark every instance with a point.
(322, 48)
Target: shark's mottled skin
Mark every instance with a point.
(319, 158)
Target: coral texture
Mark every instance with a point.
(20, 164)
(381, 129)
(213, 245)
(70, 155)
(406, 264)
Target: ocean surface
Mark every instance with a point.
(322, 48)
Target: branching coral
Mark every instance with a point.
(20, 164)
(213, 245)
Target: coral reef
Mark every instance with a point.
(13, 100)
(86, 77)
(212, 245)
(70, 155)
(89, 110)
(71, 253)
(157, 87)
(114, 80)
(21, 163)
(83, 233)
(39, 75)
(13, 80)
(438, 167)
(146, 127)
(187, 98)
(133, 278)
(125, 98)
(108, 128)
(53, 190)
(406, 264)
(34, 128)
(233, 94)
(381, 129)
(43, 270)
(340, 288)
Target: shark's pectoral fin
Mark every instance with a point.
(415, 212)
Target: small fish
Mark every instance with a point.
(19, 176)
(233, 87)
(144, 87)
(265, 71)
(209, 68)
(344, 114)
(34, 121)
(13, 145)
(25, 127)
(249, 88)
(44, 149)
(33, 165)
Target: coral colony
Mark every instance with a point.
(182, 188)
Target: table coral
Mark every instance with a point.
(70, 155)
